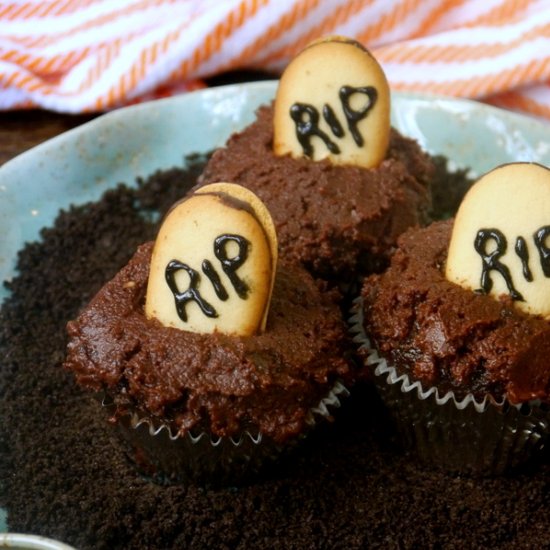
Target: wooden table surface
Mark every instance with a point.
(21, 130)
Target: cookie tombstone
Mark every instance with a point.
(500, 243)
(333, 101)
(213, 263)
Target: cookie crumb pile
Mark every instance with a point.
(64, 475)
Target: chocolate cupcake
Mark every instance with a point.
(201, 403)
(464, 367)
(340, 184)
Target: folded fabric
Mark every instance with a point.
(93, 55)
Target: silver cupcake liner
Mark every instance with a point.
(469, 436)
(167, 456)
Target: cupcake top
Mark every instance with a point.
(463, 337)
(335, 220)
(265, 376)
(219, 382)
(500, 242)
(337, 215)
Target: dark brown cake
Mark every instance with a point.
(64, 475)
(219, 383)
(337, 220)
(450, 337)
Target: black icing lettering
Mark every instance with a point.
(523, 254)
(230, 265)
(306, 119)
(212, 274)
(490, 260)
(544, 251)
(332, 121)
(191, 294)
(354, 117)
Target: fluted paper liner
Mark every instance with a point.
(468, 435)
(167, 456)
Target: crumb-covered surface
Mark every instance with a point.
(448, 187)
(64, 474)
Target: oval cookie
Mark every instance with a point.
(500, 243)
(212, 266)
(333, 101)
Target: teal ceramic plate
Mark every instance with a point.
(30, 542)
(79, 165)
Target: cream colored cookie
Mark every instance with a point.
(261, 212)
(333, 101)
(500, 242)
(212, 266)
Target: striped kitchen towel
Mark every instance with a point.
(93, 55)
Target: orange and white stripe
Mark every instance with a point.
(93, 55)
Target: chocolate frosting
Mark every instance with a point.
(215, 382)
(451, 337)
(336, 220)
